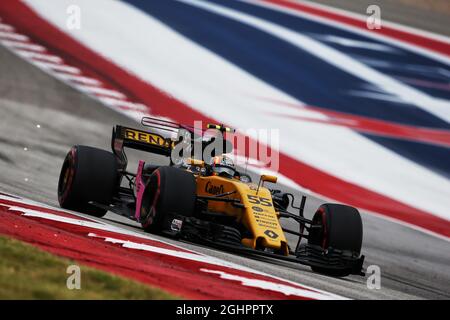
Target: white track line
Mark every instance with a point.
(57, 67)
(78, 79)
(22, 45)
(13, 36)
(6, 27)
(39, 56)
(124, 105)
(102, 92)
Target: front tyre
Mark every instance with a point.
(341, 228)
(88, 174)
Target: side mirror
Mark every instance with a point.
(264, 178)
(268, 178)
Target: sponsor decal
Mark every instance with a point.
(259, 200)
(176, 225)
(257, 209)
(213, 189)
(145, 137)
(266, 224)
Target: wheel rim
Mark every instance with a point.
(150, 199)
(66, 177)
(319, 237)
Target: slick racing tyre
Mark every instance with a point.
(169, 190)
(341, 229)
(88, 174)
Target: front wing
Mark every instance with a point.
(208, 233)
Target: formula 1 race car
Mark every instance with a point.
(208, 202)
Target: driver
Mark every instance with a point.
(223, 166)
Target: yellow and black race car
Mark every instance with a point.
(207, 201)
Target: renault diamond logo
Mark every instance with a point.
(271, 234)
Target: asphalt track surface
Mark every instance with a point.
(41, 117)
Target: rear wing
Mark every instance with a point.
(141, 140)
(137, 139)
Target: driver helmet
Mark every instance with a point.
(223, 166)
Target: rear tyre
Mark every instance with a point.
(341, 229)
(169, 190)
(87, 174)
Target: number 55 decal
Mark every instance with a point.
(259, 200)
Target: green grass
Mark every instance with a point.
(27, 272)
